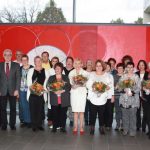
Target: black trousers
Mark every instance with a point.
(144, 119)
(49, 115)
(94, 110)
(59, 116)
(108, 114)
(36, 104)
(12, 104)
(142, 122)
(138, 116)
(148, 116)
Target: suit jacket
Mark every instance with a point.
(145, 75)
(12, 83)
(65, 97)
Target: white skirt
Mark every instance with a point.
(78, 99)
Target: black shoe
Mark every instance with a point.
(13, 128)
(71, 123)
(143, 130)
(54, 130)
(34, 129)
(28, 125)
(92, 131)
(137, 129)
(86, 123)
(63, 130)
(4, 128)
(22, 125)
(101, 130)
(41, 128)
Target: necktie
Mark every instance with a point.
(7, 69)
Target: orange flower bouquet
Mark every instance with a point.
(126, 84)
(146, 84)
(56, 86)
(37, 89)
(79, 80)
(99, 88)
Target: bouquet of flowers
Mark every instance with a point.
(146, 86)
(79, 80)
(126, 84)
(99, 88)
(56, 86)
(37, 89)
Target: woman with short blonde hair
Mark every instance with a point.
(78, 96)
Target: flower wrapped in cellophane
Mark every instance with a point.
(56, 86)
(79, 80)
(99, 88)
(125, 84)
(146, 86)
(37, 89)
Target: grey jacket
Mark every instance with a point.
(131, 101)
(13, 82)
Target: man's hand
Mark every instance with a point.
(16, 93)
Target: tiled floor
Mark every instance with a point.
(25, 139)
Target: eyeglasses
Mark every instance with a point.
(7, 55)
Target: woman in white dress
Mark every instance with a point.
(98, 101)
(78, 96)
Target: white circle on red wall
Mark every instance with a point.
(53, 51)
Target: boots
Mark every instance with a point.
(102, 131)
(92, 130)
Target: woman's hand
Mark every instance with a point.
(107, 88)
(112, 99)
(75, 86)
(59, 92)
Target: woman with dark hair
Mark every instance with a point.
(129, 99)
(143, 75)
(59, 99)
(112, 62)
(109, 107)
(53, 61)
(24, 104)
(127, 58)
(118, 113)
(97, 103)
(67, 69)
(146, 99)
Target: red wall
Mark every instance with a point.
(84, 41)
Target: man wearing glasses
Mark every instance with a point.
(9, 89)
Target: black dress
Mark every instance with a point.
(37, 102)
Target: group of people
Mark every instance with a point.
(81, 102)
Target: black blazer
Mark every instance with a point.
(146, 97)
(145, 75)
(65, 97)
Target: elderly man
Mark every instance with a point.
(9, 89)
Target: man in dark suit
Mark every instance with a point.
(9, 88)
